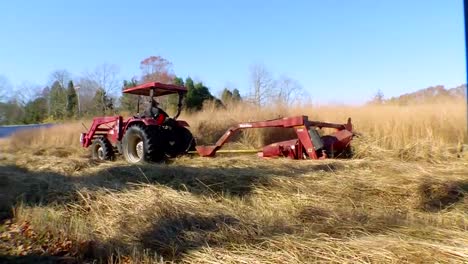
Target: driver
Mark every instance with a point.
(154, 111)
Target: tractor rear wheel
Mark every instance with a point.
(180, 143)
(141, 144)
(102, 149)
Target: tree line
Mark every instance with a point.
(99, 93)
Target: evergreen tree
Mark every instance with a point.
(236, 97)
(11, 112)
(226, 96)
(189, 83)
(72, 99)
(57, 100)
(46, 94)
(102, 102)
(128, 102)
(178, 81)
(173, 99)
(197, 95)
(190, 90)
(35, 111)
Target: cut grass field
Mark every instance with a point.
(402, 199)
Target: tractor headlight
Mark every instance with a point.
(82, 138)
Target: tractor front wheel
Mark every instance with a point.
(102, 149)
(140, 144)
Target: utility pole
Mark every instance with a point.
(77, 87)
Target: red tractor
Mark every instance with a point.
(146, 137)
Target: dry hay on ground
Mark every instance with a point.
(232, 209)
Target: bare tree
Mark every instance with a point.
(103, 81)
(262, 84)
(86, 89)
(5, 86)
(105, 76)
(26, 92)
(288, 90)
(378, 98)
(62, 76)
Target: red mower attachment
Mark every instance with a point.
(308, 144)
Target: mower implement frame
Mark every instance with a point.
(292, 148)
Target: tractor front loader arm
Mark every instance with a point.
(98, 129)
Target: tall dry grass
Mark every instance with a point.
(66, 135)
(425, 131)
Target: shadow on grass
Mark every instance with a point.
(349, 223)
(171, 236)
(435, 196)
(46, 187)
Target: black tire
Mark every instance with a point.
(141, 144)
(346, 153)
(102, 149)
(180, 142)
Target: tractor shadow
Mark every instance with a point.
(18, 184)
(197, 180)
(174, 236)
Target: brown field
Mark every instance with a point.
(401, 199)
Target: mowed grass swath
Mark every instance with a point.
(403, 198)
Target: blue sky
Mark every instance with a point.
(338, 50)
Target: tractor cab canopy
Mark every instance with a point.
(156, 89)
